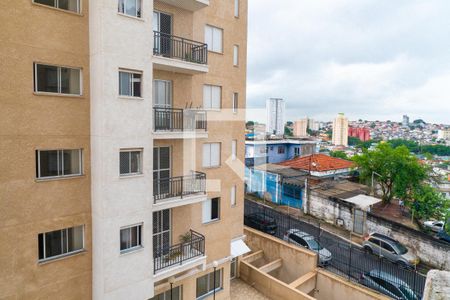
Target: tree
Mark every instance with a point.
(250, 123)
(287, 131)
(353, 141)
(428, 203)
(397, 171)
(338, 154)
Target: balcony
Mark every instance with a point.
(170, 260)
(191, 5)
(177, 191)
(174, 123)
(176, 54)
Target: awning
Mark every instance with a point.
(238, 248)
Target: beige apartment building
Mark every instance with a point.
(301, 127)
(340, 130)
(122, 145)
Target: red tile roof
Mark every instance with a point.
(318, 163)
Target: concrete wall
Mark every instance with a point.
(31, 121)
(431, 251)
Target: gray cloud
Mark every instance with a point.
(372, 59)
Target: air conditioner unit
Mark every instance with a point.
(339, 222)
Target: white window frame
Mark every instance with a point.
(210, 41)
(131, 86)
(125, 9)
(209, 160)
(233, 195)
(235, 102)
(210, 292)
(207, 210)
(62, 241)
(236, 55)
(35, 79)
(236, 8)
(210, 90)
(79, 2)
(233, 149)
(59, 167)
(140, 244)
(141, 154)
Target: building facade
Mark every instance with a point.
(405, 121)
(340, 131)
(275, 114)
(127, 121)
(300, 127)
(444, 134)
(361, 133)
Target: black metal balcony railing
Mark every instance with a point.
(179, 186)
(175, 119)
(171, 46)
(168, 256)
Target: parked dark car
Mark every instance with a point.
(388, 285)
(261, 222)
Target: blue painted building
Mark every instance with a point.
(275, 151)
(281, 185)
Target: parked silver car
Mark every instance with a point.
(435, 226)
(393, 250)
(307, 241)
(388, 285)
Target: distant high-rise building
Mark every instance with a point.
(444, 134)
(405, 122)
(313, 125)
(275, 116)
(340, 130)
(300, 127)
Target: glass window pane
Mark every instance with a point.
(134, 236)
(46, 2)
(124, 84)
(138, 8)
(216, 96)
(64, 233)
(130, 7)
(47, 78)
(41, 245)
(124, 162)
(215, 202)
(71, 5)
(75, 238)
(48, 163)
(207, 96)
(121, 7)
(202, 285)
(71, 162)
(217, 40)
(124, 238)
(53, 243)
(70, 81)
(137, 85)
(166, 219)
(135, 161)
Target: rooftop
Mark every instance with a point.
(318, 163)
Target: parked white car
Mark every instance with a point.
(436, 226)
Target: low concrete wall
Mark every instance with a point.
(431, 251)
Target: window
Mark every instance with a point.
(281, 149)
(211, 210)
(233, 195)
(235, 55)
(236, 8)
(130, 84)
(70, 5)
(298, 240)
(130, 7)
(206, 284)
(130, 238)
(61, 242)
(235, 102)
(233, 149)
(176, 293)
(296, 151)
(162, 93)
(58, 163)
(233, 268)
(212, 96)
(130, 162)
(211, 155)
(58, 80)
(213, 37)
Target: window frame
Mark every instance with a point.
(125, 9)
(38, 166)
(235, 102)
(233, 195)
(209, 218)
(210, 276)
(211, 87)
(131, 85)
(140, 162)
(233, 150)
(45, 259)
(236, 55)
(210, 166)
(212, 48)
(58, 70)
(78, 12)
(139, 238)
(236, 8)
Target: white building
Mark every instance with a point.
(340, 130)
(300, 127)
(444, 134)
(275, 108)
(405, 122)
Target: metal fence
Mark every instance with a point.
(179, 186)
(348, 260)
(171, 46)
(174, 119)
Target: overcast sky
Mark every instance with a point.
(371, 59)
